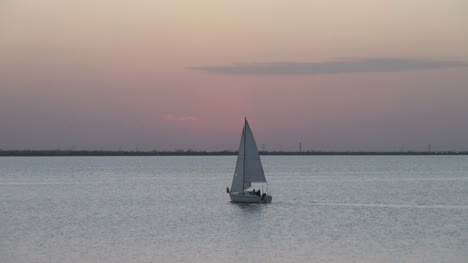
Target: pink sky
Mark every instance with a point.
(335, 75)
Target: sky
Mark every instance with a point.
(172, 74)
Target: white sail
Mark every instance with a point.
(249, 166)
(238, 178)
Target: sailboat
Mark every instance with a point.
(249, 174)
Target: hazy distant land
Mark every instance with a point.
(5, 153)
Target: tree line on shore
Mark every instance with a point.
(209, 153)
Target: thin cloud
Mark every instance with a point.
(332, 67)
(171, 117)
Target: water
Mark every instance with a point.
(175, 209)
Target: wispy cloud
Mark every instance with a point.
(171, 117)
(333, 66)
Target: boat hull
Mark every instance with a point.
(246, 198)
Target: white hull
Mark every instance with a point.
(249, 198)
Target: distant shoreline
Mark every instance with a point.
(38, 153)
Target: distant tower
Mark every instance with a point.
(300, 147)
(401, 148)
(429, 147)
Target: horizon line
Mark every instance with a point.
(51, 153)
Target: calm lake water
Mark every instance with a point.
(175, 209)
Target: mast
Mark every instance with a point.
(243, 164)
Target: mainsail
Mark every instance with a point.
(249, 166)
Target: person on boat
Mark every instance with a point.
(253, 191)
(258, 192)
